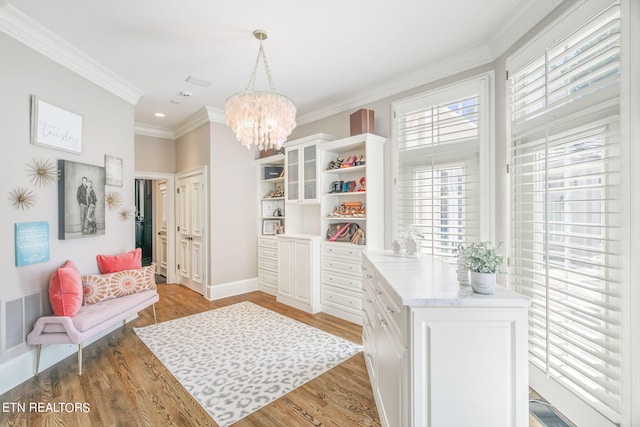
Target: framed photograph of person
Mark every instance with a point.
(81, 210)
(54, 127)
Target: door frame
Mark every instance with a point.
(171, 218)
(204, 172)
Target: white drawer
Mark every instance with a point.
(369, 304)
(340, 266)
(350, 282)
(268, 264)
(268, 252)
(367, 322)
(268, 277)
(343, 251)
(389, 306)
(268, 242)
(341, 299)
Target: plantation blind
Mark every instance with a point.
(437, 182)
(565, 250)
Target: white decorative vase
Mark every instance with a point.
(397, 247)
(483, 283)
(410, 247)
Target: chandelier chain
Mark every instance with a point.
(252, 79)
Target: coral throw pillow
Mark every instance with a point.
(102, 287)
(65, 290)
(131, 260)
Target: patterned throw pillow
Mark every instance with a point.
(100, 287)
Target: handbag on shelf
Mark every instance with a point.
(342, 232)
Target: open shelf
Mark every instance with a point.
(348, 169)
(346, 193)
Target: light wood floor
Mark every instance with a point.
(125, 385)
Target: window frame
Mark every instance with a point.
(570, 21)
(483, 84)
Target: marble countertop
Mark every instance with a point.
(428, 281)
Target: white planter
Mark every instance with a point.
(483, 283)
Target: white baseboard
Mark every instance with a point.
(230, 289)
(19, 369)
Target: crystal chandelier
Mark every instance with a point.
(265, 119)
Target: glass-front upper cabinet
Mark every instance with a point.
(302, 173)
(303, 169)
(310, 173)
(293, 167)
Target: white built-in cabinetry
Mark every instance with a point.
(271, 215)
(268, 264)
(334, 268)
(298, 281)
(438, 355)
(302, 171)
(341, 262)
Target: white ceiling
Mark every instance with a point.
(327, 56)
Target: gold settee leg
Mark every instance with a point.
(38, 351)
(80, 359)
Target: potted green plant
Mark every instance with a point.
(483, 262)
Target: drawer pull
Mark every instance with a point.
(379, 292)
(369, 301)
(390, 311)
(383, 322)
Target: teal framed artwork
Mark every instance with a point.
(32, 242)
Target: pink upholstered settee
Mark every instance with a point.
(89, 321)
(108, 299)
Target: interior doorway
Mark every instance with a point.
(155, 223)
(144, 219)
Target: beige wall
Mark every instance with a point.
(233, 208)
(193, 149)
(232, 199)
(108, 123)
(107, 129)
(155, 154)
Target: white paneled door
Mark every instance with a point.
(191, 197)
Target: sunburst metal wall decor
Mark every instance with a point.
(42, 172)
(112, 200)
(126, 213)
(22, 198)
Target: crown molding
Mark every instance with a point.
(154, 131)
(435, 71)
(523, 21)
(29, 32)
(202, 116)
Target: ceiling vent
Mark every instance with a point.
(198, 82)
